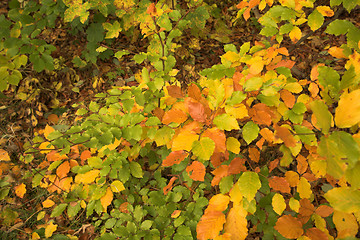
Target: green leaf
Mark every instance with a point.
(73, 209)
(113, 29)
(121, 53)
(250, 132)
(236, 98)
(253, 84)
(249, 184)
(315, 20)
(226, 122)
(339, 27)
(136, 170)
(146, 225)
(95, 162)
(324, 119)
(344, 199)
(204, 148)
(57, 211)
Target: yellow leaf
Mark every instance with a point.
(41, 215)
(295, 34)
(46, 147)
(219, 202)
(231, 56)
(83, 204)
(117, 186)
(20, 190)
(210, 225)
(278, 203)
(175, 214)
(304, 188)
(47, 131)
(88, 177)
(337, 52)
(347, 114)
(233, 145)
(112, 146)
(256, 67)
(325, 11)
(236, 223)
(107, 199)
(294, 204)
(50, 229)
(35, 236)
(346, 224)
(319, 168)
(235, 194)
(48, 203)
(238, 111)
(4, 156)
(184, 141)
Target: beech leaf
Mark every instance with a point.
(226, 122)
(278, 203)
(249, 184)
(204, 148)
(236, 223)
(289, 227)
(174, 157)
(196, 171)
(106, 199)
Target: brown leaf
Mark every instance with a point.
(237, 166)
(194, 92)
(284, 134)
(254, 154)
(175, 91)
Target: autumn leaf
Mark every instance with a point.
(279, 184)
(295, 34)
(210, 225)
(233, 145)
(226, 122)
(117, 186)
(4, 156)
(20, 190)
(237, 166)
(347, 114)
(292, 178)
(106, 199)
(324, 211)
(254, 154)
(50, 229)
(194, 92)
(284, 134)
(195, 109)
(47, 131)
(326, 11)
(168, 187)
(304, 188)
(278, 203)
(236, 223)
(249, 184)
(175, 214)
(46, 147)
(218, 137)
(174, 157)
(315, 234)
(63, 169)
(219, 202)
(346, 224)
(88, 177)
(184, 141)
(175, 91)
(204, 148)
(289, 227)
(48, 203)
(174, 115)
(219, 173)
(196, 171)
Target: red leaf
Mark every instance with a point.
(197, 170)
(174, 158)
(169, 186)
(195, 109)
(174, 115)
(175, 91)
(279, 184)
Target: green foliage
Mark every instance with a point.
(153, 160)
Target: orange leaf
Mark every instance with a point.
(316, 234)
(288, 98)
(174, 115)
(47, 131)
(217, 158)
(236, 223)
(210, 225)
(151, 9)
(197, 170)
(337, 52)
(279, 184)
(107, 199)
(20, 190)
(63, 169)
(175, 157)
(254, 154)
(324, 211)
(169, 186)
(175, 214)
(220, 172)
(55, 156)
(313, 89)
(306, 207)
(195, 109)
(219, 138)
(175, 91)
(48, 203)
(237, 166)
(219, 202)
(4, 156)
(267, 134)
(194, 92)
(292, 178)
(53, 118)
(273, 164)
(184, 140)
(123, 207)
(302, 164)
(289, 227)
(84, 156)
(284, 134)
